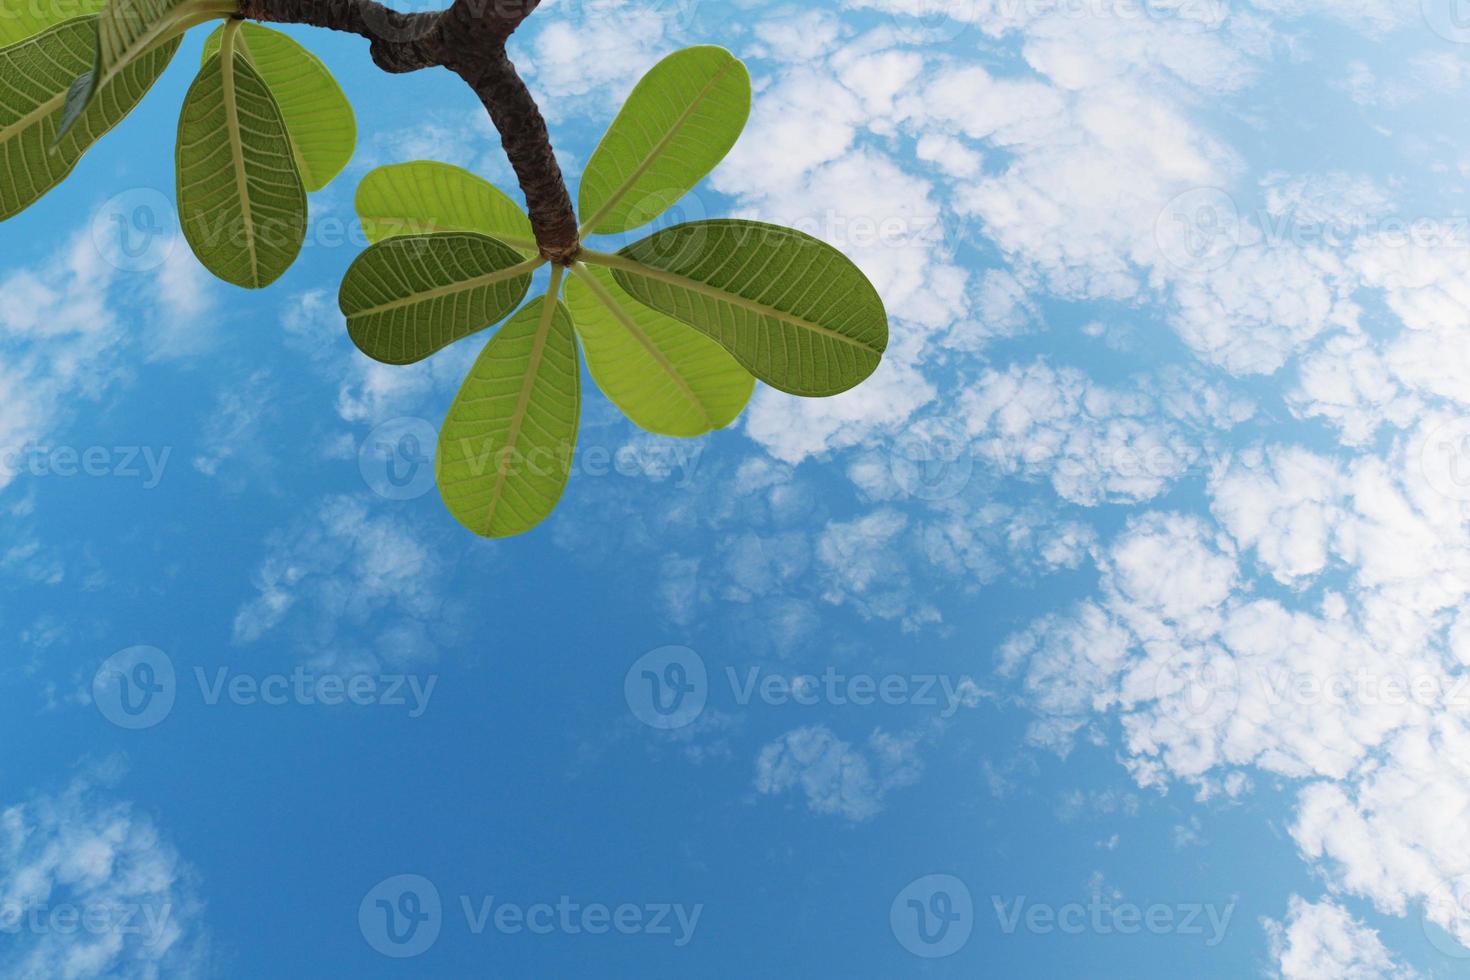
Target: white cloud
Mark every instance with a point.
(1261, 307)
(1371, 16)
(577, 56)
(57, 329)
(67, 326)
(1286, 503)
(354, 567)
(84, 855)
(232, 436)
(1322, 941)
(1094, 443)
(836, 778)
(1089, 172)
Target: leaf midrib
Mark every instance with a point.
(489, 279)
(237, 149)
(523, 399)
(43, 109)
(613, 261)
(653, 154)
(34, 116)
(180, 19)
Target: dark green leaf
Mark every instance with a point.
(405, 298)
(794, 311)
(241, 202)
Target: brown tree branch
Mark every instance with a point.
(468, 39)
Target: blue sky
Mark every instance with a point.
(1113, 628)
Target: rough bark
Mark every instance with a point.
(468, 39)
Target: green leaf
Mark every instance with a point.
(405, 298)
(20, 19)
(241, 202)
(38, 74)
(680, 120)
(793, 310)
(318, 116)
(505, 449)
(665, 376)
(424, 197)
(129, 29)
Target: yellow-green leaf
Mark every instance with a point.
(505, 449)
(666, 376)
(423, 197)
(20, 19)
(318, 116)
(678, 123)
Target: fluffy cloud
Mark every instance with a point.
(836, 778)
(83, 857)
(349, 569)
(1093, 443)
(1359, 698)
(1322, 939)
(64, 330)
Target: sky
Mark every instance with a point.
(1114, 627)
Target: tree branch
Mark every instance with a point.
(468, 39)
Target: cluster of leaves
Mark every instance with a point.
(676, 327)
(263, 123)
